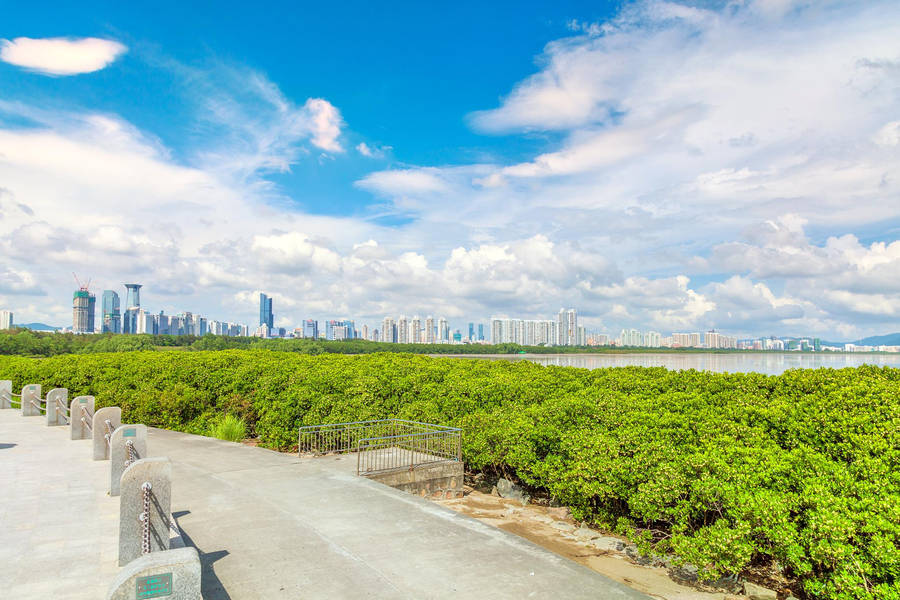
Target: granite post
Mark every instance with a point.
(173, 574)
(31, 400)
(5, 393)
(102, 430)
(127, 445)
(57, 406)
(150, 479)
(81, 417)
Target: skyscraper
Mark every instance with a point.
(402, 330)
(429, 329)
(84, 305)
(132, 307)
(481, 332)
(112, 317)
(415, 330)
(265, 311)
(389, 331)
(471, 332)
(133, 295)
(6, 319)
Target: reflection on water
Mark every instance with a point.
(768, 363)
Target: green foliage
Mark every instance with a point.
(229, 428)
(725, 470)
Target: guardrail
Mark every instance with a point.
(152, 567)
(384, 445)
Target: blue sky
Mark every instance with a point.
(660, 165)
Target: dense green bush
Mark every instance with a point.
(725, 470)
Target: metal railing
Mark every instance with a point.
(384, 445)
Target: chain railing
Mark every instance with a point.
(384, 445)
(63, 410)
(6, 397)
(132, 454)
(145, 518)
(156, 525)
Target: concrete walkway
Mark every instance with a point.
(267, 525)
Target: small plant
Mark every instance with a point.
(230, 429)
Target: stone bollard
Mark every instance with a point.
(173, 574)
(102, 430)
(31, 400)
(57, 407)
(81, 417)
(5, 393)
(127, 445)
(146, 487)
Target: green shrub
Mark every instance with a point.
(229, 428)
(728, 471)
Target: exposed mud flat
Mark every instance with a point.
(553, 529)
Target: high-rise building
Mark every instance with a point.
(429, 329)
(415, 330)
(6, 319)
(133, 295)
(388, 331)
(112, 316)
(265, 311)
(311, 329)
(481, 332)
(471, 332)
(83, 309)
(443, 331)
(402, 330)
(132, 306)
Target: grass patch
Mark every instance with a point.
(229, 428)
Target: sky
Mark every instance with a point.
(666, 166)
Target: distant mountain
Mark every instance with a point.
(37, 326)
(891, 339)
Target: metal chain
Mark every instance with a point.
(129, 446)
(109, 427)
(145, 519)
(86, 422)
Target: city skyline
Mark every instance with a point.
(655, 164)
(563, 331)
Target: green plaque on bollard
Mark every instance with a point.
(130, 432)
(154, 586)
(82, 401)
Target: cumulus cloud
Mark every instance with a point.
(732, 168)
(61, 56)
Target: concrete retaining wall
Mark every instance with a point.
(437, 481)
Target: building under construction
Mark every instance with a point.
(84, 305)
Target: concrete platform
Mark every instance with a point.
(267, 525)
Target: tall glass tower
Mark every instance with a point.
(133, 295)
(265, 311)
(112, 317)
(132, 307)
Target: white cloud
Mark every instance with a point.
(324, 123)
(733, 169)
(61, 56)
(370, 151)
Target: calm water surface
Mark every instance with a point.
(770, 364)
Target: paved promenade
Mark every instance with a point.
(267, 525)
